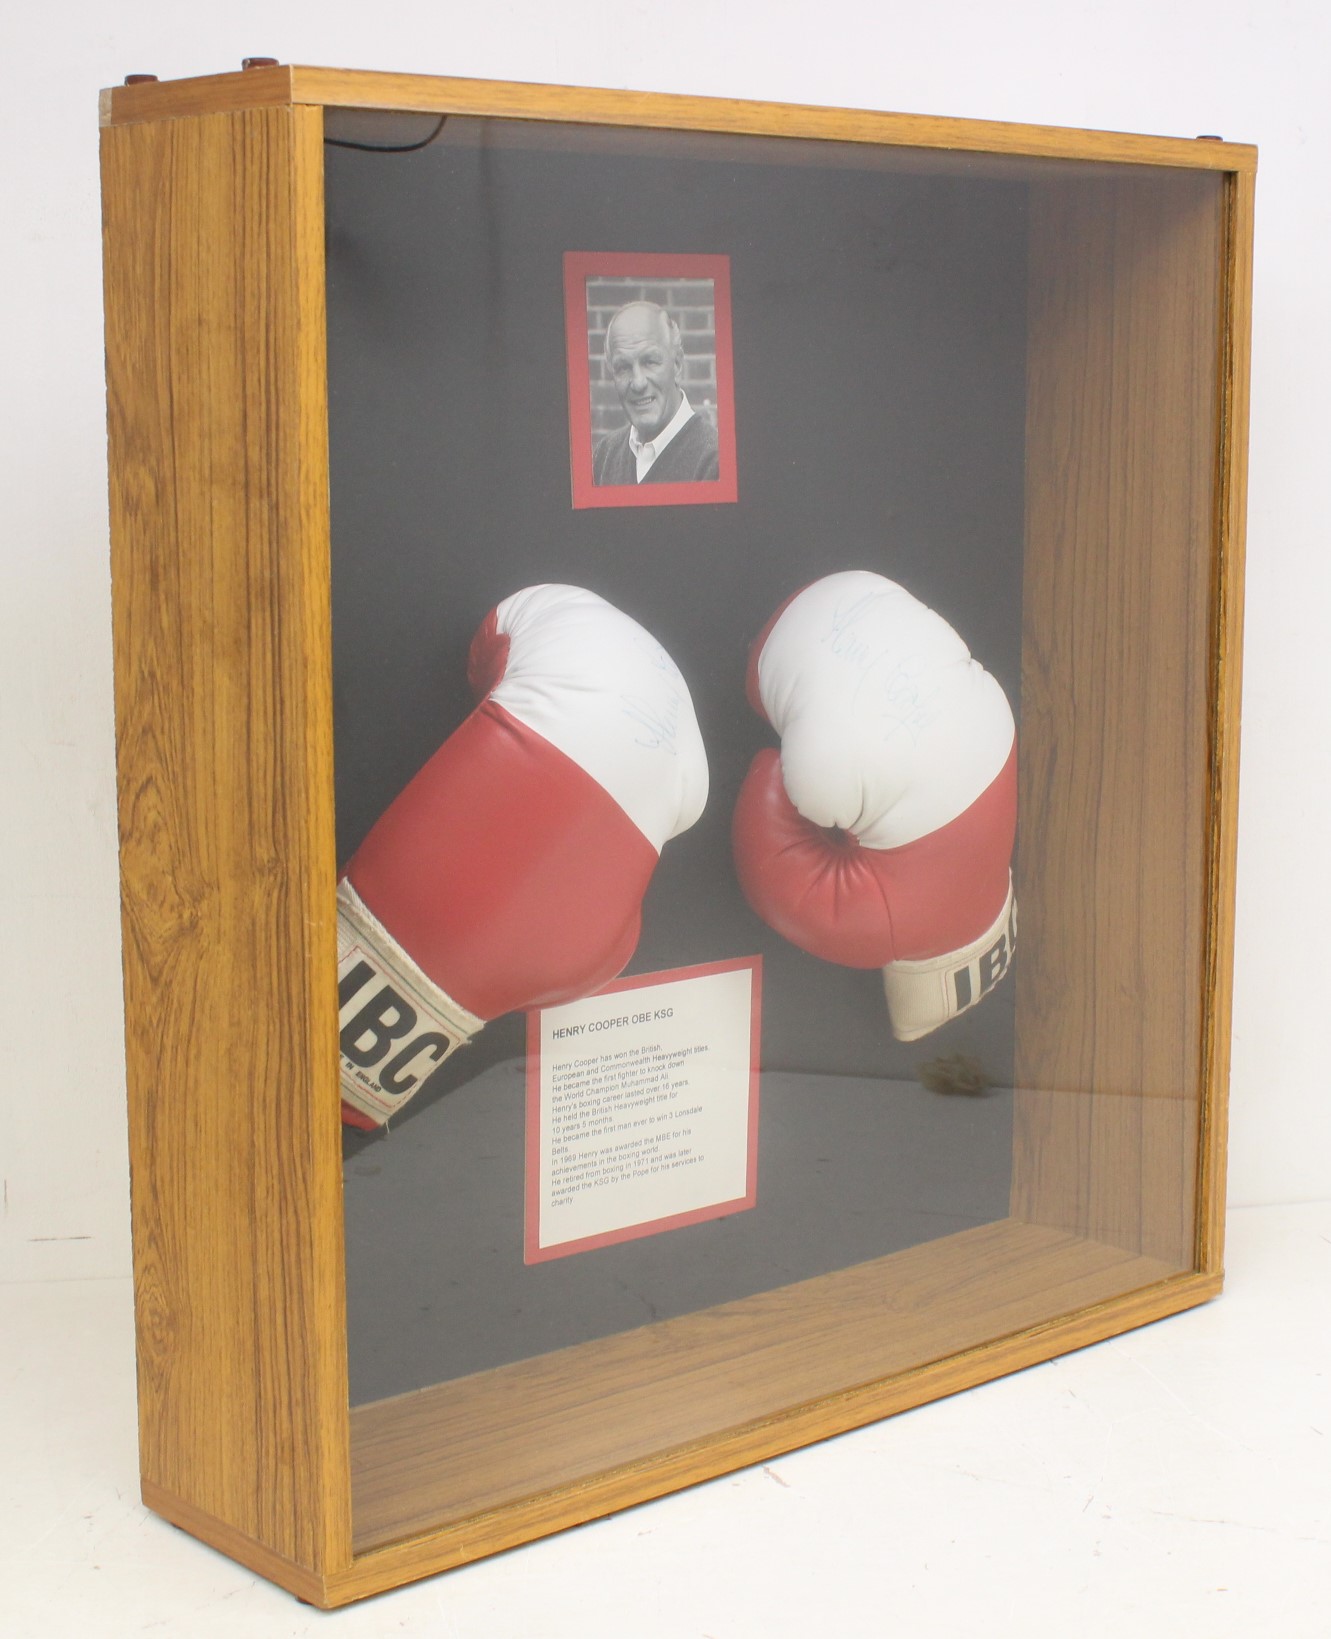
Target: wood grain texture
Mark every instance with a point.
(505, 1434)
(510, 1454)
(201, 94)
(1117, 777)
(728, 147)
(218, 429)
(508, 1527)
(1227, 660)
(255, 1556)
(350, 88)
(535, 1515)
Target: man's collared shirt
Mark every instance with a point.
(645, 454)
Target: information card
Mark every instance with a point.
(642, 1108)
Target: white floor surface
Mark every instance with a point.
(1175, 1482)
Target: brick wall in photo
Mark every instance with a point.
(692, 305)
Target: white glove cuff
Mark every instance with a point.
(395, 1025)
(921, 996)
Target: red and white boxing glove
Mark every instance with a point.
(510, 872)
(881, 834)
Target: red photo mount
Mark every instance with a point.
(634, 271)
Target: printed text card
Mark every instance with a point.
(642, 1108)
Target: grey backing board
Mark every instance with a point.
(848, 1169)
(879, 357)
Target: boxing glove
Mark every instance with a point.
(510, 872)
(881, 835)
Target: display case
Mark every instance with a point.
(677, 672)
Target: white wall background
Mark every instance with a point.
(1250, 70)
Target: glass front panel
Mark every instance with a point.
(750, 559)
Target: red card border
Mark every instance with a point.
(579, 266)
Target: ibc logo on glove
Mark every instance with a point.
(981, 973)
(388, 1045)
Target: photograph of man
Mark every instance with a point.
(665, 440)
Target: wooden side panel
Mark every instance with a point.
(1228, 663)
(218, 435)
(360, 88)
(1124, 395)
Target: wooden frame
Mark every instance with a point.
(213, 197)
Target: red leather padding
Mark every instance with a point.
(487, 658)
(505, 871)
(866, 907)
